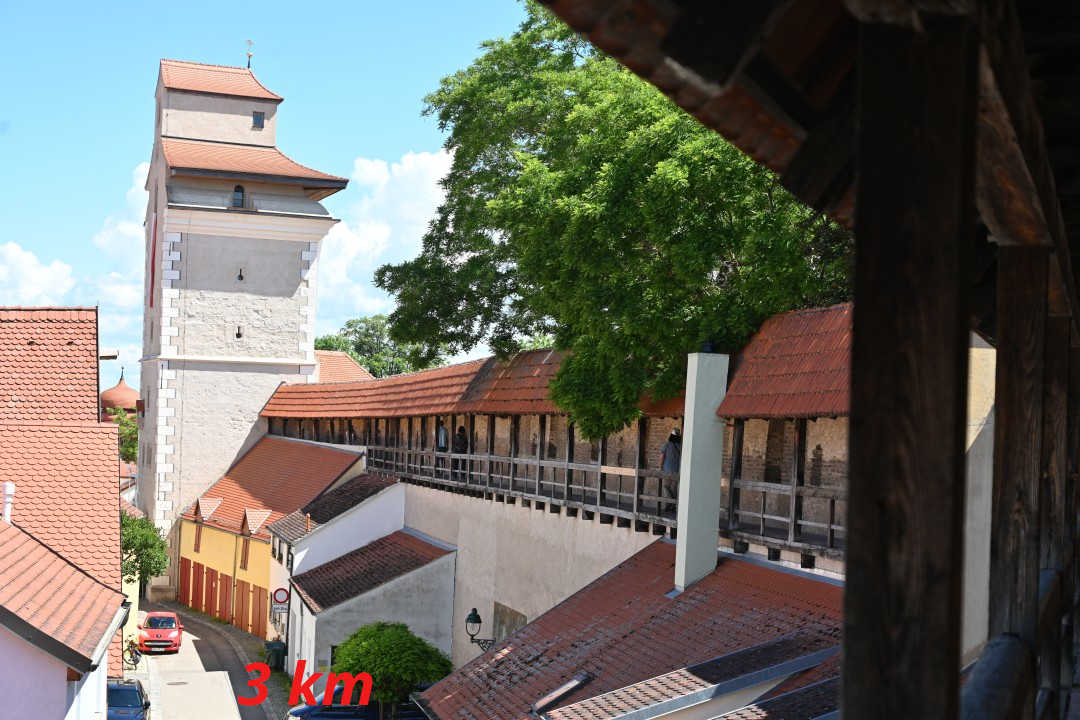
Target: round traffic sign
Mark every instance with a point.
(281, 596)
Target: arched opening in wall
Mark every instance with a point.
(238, 196)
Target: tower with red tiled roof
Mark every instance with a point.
(233, 228)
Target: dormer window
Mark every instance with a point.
(258, 119)
(238, 196)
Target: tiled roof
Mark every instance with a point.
(216, 79)
(797, 365)
(130, 510)
(810, 648)
(329, 505)
(336, 366)
(48, 364)
(622, 629)
(44, 591)
(806, 702)
(518, 386)
(365, 569)
(277, 475)
(227, 158)
(127, 470)
(65, 490)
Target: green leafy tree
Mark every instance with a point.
(143, 551)
(397, 661)
(129, 434)
(583, 204)
(369, 342)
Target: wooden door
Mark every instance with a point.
(240, 605)
(259, 607)
(210, 596)
(196, 586)
(224, 595)
(185, 581)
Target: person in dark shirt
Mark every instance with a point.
(670, 459)
(461, 446)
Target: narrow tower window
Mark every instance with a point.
(258, 119)
(238, 196)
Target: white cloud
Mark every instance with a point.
(121, 237)
(390, 207)
(25, 280)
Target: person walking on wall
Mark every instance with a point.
(670, 459)
(442, 443)
(461, 446)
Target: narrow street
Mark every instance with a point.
(202, 681)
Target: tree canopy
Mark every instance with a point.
(129, 434)
(143, 552)
(369, 342)
(397, 660)
(583, 204)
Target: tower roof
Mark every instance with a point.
(201, 157)
(120, 395)
(214, 79)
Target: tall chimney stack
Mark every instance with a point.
(9, 499)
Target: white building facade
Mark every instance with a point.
(233, 229)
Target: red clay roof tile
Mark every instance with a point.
(329, 505)
(48, 364)
(46, 591)
(622, 629)
(797, 365)
(277, 475)
(183, 155)
(336, 366)
(364, 569)
(130, 510)
(216, 79)
(518, 386)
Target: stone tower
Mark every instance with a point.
(233, 228)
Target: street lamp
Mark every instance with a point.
(472, 627)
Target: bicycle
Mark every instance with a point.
(132, 654)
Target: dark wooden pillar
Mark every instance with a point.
(914, 229)
(798, 476)
(1018, 399)
(639, 464)
(515, 429)
(541, 438)
(735, 473)
(1069, 580)
(601, 478)
(569, 477)
(1052, 519)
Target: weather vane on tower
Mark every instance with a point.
(250, 52)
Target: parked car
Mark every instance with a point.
(405, 711)
(160, 631)
(127, 701)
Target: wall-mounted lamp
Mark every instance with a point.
(472, 627)
(240, 275)
(238, 333)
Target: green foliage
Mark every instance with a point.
(369, 342)
(583, 204)
(143, 551)
(397, 660)
(129, 434)
(539, 341)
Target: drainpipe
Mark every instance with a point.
(9, 500)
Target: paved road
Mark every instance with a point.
(204, 650)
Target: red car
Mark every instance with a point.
(160, 631)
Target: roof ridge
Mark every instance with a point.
(210, 65)
(34, 308)
(55, 552)
(807, 311)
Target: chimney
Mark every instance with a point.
(307, 517)
(699, 468)
(9, 500)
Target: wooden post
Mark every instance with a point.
(1069, 579)
(490, 447)
(1018, 419)
(798, 475)
(914, 230)
(736, 472)
(568, 478)
(1052, 518)
(639, 463)
(541, 438)
(601, 482)
(472, 449)
(515, 428)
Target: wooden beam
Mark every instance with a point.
(914, 229)
(798, 476)
(1069, 576)
(1018, 417)
(1052, 518)
(568, 477)
(735, 474)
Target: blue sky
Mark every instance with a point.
(76, 124)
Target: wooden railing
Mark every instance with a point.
(625, 494)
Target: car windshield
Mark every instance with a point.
(160, 623)
(124, 697)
